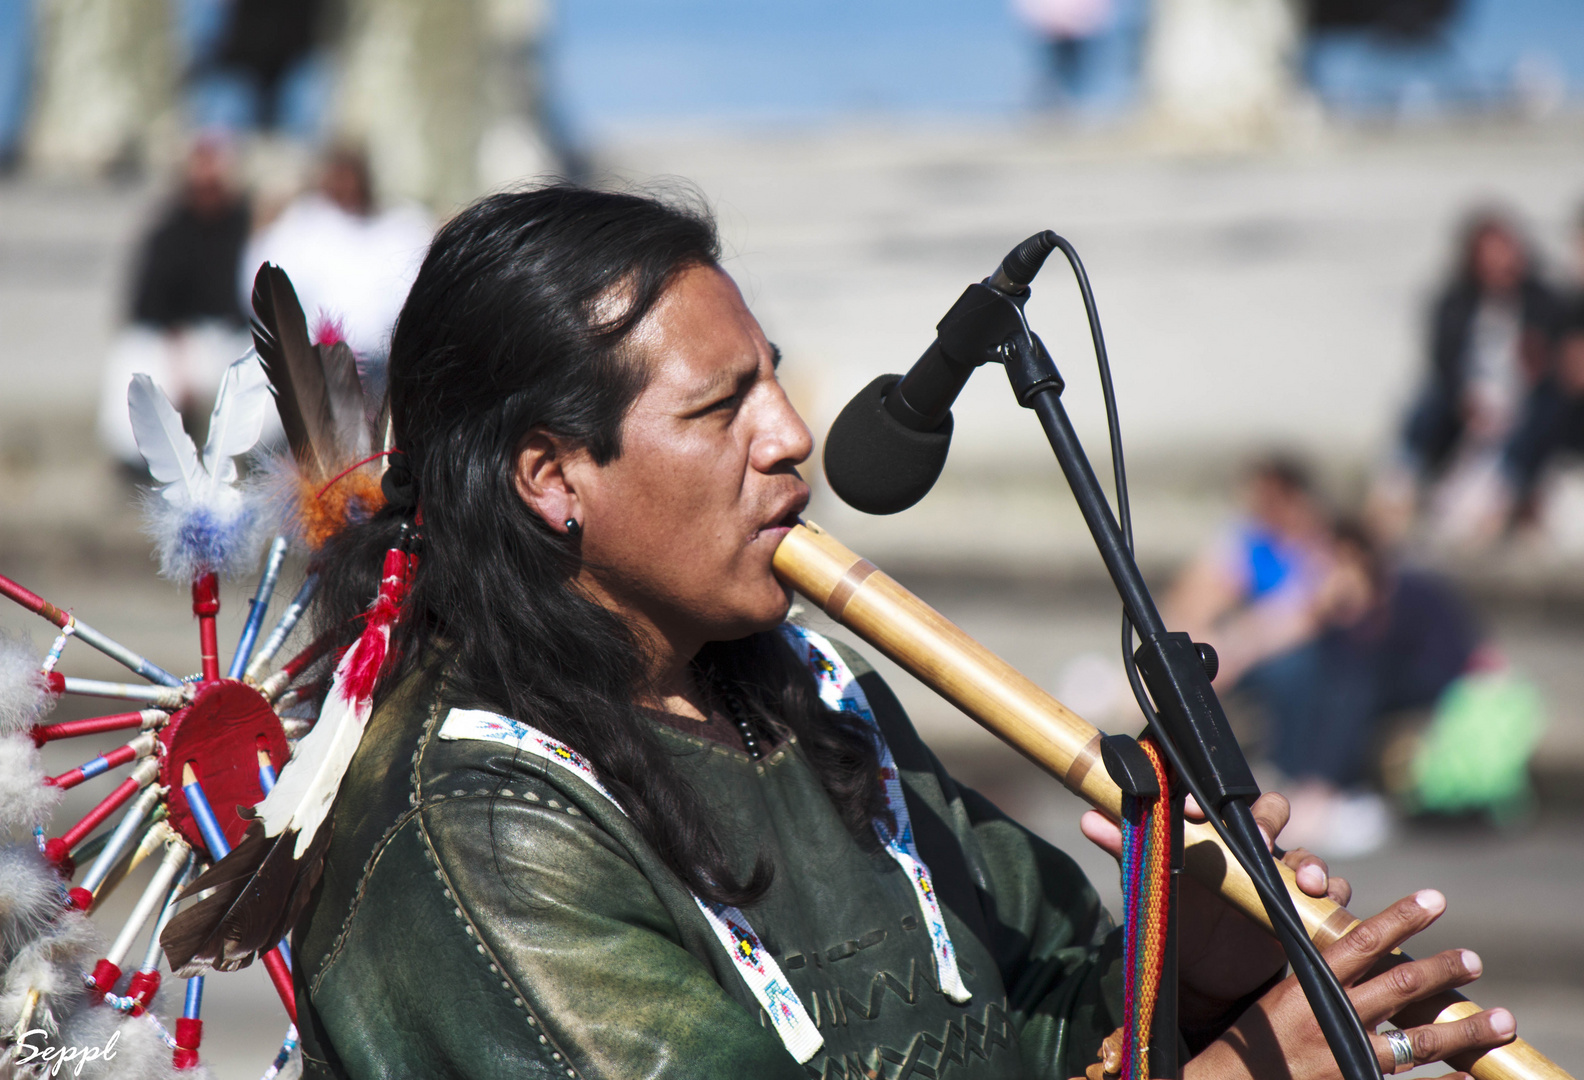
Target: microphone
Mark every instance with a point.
(889, 444)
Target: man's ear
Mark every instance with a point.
(544, 479)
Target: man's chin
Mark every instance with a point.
(767, 616)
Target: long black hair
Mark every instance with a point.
(503, 332)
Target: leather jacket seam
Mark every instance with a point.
(364, 878)
(424, 739)
(559, 1057)
(380, 847)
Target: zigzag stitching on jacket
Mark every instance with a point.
(374, 856)
(878, 985)
(995, 1030)
(520, 996)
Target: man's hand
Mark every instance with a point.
(1223, 956)
(1279, 1036)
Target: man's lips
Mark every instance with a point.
(783, 522)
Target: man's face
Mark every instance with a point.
(680, 529)
(1498, 260)
(1287, 512)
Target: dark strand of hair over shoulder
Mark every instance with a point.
(500, 334)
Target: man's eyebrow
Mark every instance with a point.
(775, 356)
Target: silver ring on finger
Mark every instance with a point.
(1402, 1050)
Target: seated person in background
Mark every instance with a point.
(1491, 339)
(186, 324)
(1554, 420)
(1391, 640)
(1251, 594)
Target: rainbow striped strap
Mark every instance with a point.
(748, 954)
(839, 690)
(1146, 895)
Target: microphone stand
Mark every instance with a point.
(1187, 719)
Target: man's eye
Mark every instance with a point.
(726, 403)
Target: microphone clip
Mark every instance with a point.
(974, 332)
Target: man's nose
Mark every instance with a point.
(784, 437)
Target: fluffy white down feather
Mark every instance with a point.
(24, 695)
(25, 800)
(138, 1053)
(29, 897)
(53, 964)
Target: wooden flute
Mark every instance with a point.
(854, 593)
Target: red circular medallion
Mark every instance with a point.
(220, 734)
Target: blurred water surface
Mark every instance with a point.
(626, 64)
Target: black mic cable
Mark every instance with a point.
(1333, 1009)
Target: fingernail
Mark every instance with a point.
(1472, 963)
(1431, 900)
(1311, 878)
(1502, 1022)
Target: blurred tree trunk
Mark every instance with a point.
(1223, 74)
(107, 80)
(413, 92)
(448, 97)
(520, 140)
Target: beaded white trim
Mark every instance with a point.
(839, 690)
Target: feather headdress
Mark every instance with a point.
(260, 888)
(323, 410)
(201, 521)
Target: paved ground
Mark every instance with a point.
(1246, 300)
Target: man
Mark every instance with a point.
(186, 326)
(350, 259)
(610, 817)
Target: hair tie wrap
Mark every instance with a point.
(398, 483)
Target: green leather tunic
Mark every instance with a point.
(483, 914)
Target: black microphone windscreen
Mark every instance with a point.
(876, 464)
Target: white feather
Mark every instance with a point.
(241, 407)
(25, 800)
(29, 897)
(202, 521)
(307, 785)
(172, 458)
(53, 964)
(24, 693)
(138, 1053)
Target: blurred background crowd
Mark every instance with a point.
(1337, 245)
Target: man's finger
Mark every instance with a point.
(1271, 811)
(1339, 889)
(1377, 935)
(1437, 1042)
(1102, 832)
(1380, 997)
(1311, 871)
